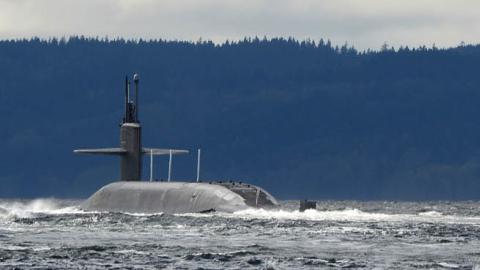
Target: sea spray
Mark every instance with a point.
(28, 209)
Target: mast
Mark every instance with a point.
(137, 105)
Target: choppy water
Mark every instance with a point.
(54, 234)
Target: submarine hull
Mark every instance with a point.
(136, 196)
(177, 197)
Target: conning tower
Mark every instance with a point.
(130, 150)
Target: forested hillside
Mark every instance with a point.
(302, 119)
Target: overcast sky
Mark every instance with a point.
(362, 23)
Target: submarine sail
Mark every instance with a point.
(130, 150)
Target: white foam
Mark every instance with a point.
(127, 251)
(431, 214)
(141, 214)
(354, 215)
(448, 265)
(26, 209)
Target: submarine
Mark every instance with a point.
(131, 194)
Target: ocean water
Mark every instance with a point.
(55, 234)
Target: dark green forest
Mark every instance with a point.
(303, 119)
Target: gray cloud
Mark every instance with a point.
(363, 23)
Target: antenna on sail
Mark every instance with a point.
(137, 105)
(131, 108)
(198, 164)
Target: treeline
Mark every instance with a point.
(304, 119)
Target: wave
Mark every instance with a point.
(27, 209)
(355, 215)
